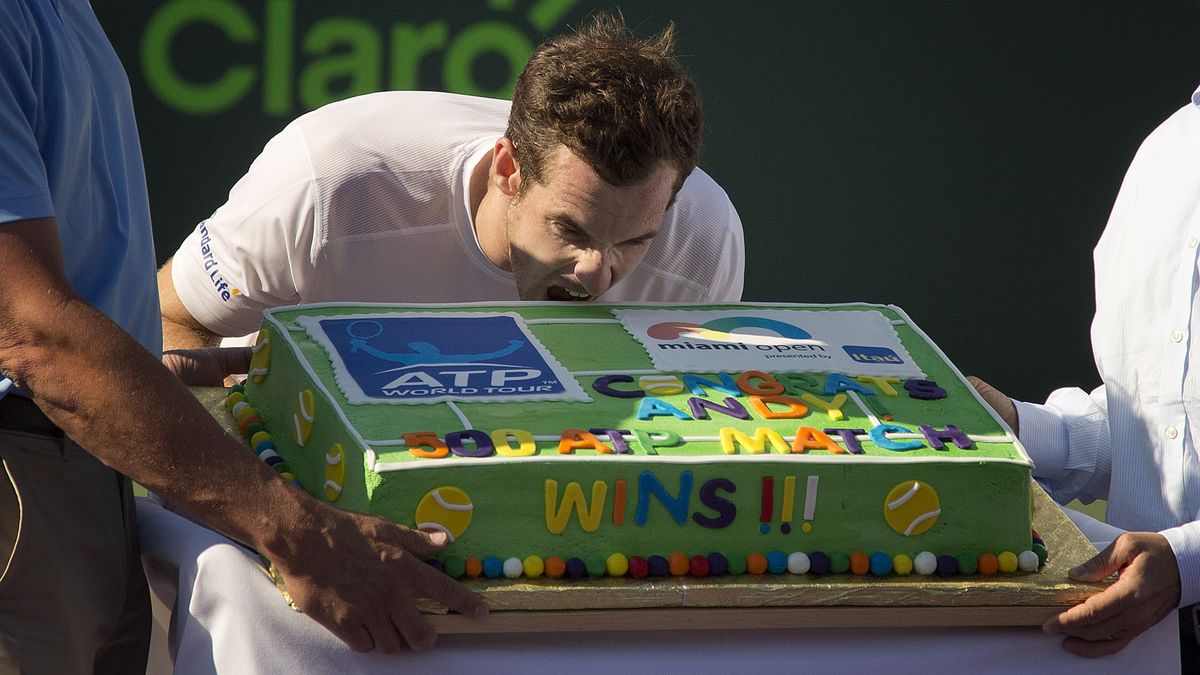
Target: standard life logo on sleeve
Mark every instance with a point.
(433, 357)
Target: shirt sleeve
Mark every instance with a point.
(1185, 542)
(256, 251)
(1068, 440)
(730, 279)
(24, 189)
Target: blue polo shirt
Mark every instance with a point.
(69, 150)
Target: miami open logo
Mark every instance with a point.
(748, 330)
(433, 357)
(771, 340)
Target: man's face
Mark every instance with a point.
(574, 236)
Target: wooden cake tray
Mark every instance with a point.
(775, 601)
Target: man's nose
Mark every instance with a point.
(594, 270)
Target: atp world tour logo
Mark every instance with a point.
(432, 357)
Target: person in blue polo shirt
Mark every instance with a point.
(86, 399)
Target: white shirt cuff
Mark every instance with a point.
(1185, 542)
(1044, 436)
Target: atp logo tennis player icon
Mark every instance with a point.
(422, 352)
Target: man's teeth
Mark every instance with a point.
(564, 293)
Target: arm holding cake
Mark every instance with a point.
(1068, 439)
(190, 350)
(78, 316)
(61, 350)
(1132, 440)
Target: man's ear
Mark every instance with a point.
(505, 174)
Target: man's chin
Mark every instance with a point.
(538, 295)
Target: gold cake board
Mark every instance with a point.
(776, 601)
(786, 601)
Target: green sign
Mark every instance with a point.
(303, 65)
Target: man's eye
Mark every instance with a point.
(571, 233)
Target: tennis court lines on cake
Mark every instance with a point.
(594, 346)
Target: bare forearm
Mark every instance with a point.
(105, 390)
(180, 329)
(112, 396)
(179, 336)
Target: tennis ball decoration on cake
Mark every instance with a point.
(660, 385)
(260, 362)
(335, 472)
(911, 508)
(445, 509)
(306, 408)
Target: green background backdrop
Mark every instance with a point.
(957, 159)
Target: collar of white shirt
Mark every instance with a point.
(1196, 98)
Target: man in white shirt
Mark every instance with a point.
(584, 189)
(1133, 441)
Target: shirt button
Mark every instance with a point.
(1172, 432)
(1191, 243)
(1176, 336)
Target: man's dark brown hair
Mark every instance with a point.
(620, 103)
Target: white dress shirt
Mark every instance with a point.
(1133, 441)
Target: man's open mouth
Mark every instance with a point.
(566, 294)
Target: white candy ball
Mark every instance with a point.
(798, 563)
(1027, 561)
(513, 568)
(925, 563)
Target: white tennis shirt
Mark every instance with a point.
(366, 200)
(1133, 441)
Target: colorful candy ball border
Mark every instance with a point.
(678, 564)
